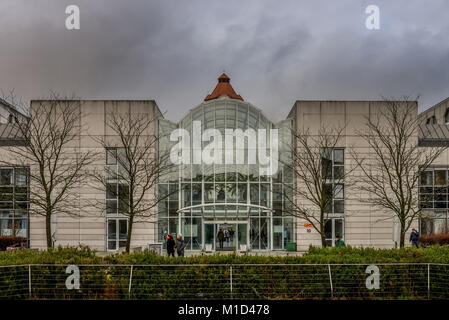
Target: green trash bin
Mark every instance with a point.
(291, 246)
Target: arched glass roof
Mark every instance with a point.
(226, 113)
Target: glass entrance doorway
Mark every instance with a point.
(225, 236)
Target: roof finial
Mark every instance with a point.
(223, 88)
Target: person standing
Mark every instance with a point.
(414, 238)
(220, 236)
(180, 245)
(170, 245)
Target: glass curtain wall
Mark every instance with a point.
(202, 193)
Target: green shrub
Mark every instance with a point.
(254, 277)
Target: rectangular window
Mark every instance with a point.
(339, 192)
(433, 189)
(339, 157)
(220, 192)
(427, 178)
(186, 195)
(327, 197)
(264, 194)
(243, 192)
(326, 164)
(333, 172)
(333, 228)
(196, 193)
(6, 177)
(440, 177)
(209, 193)
(254, 193)
(123, 198)
(21, 177)
(117, 190)
(117, 232)
(14, 201)
(111, 156)
(231, 192)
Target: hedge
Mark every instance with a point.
(346, 255)
(434, 239)
(254, 277)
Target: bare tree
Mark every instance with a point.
(56, 165)
(391, 176)
(317, 181)
(139, 166)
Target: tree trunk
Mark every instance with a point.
(128, 236)
(323, 241)
(402, 238)
(323, 236)
(48, 230)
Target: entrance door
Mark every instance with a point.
(227, 232)
(238, 238)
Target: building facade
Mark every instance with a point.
(230, 196)
(14, 184)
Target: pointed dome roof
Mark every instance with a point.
(223, 88)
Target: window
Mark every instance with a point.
(339, 196)
(440, 177)
(117, 233)
(426, 178)
(339, 157)
(326, 164)
(111, 156)
(196, 193)
(117, 190)
(431, 120)
(332, 229)
(14, 202)
(446, 116)
(434, 222)
(433, 189)
(333, 172)
(254, 193)
(12, 118)
(6, 177)
(220, 193)
(332, 164)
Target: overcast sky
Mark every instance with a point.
(276, 52)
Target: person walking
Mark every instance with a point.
(414, 238)
(180, 245)
(220, 236)
(226, 235)
(339, 243)
(231, 234)
(170, 245)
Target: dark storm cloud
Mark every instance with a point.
(275, 51)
